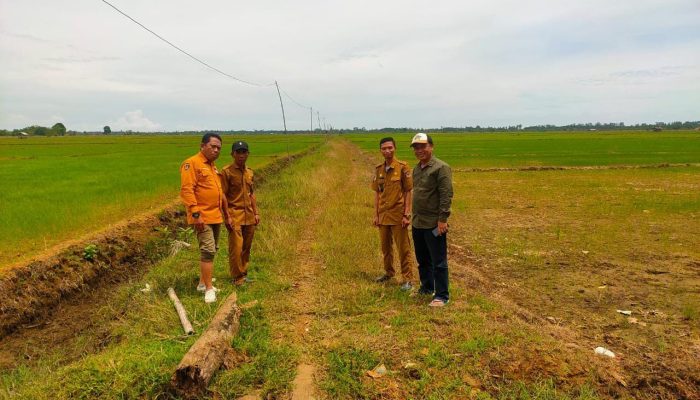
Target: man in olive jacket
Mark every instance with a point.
(432, 199)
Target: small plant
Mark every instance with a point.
(89, 252)
(185, 234)
(164, 231)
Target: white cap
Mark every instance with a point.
(420, 137)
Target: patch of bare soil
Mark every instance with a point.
(639, 370)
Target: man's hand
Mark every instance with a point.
(375, 222)
(229, 223)
(442, 228)
(199, 224)
(257, 219)
(405, 222)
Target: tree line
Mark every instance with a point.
(59, 129)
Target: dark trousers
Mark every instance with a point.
(431, 254)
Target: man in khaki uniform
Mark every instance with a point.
(392, 185)
(238, 187)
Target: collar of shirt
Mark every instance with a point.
(234, 165)
(204, 159)
(429, 164)
(394, 164)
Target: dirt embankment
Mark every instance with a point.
(72, 273)
(30, 292)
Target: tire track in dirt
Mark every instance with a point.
(307, 296)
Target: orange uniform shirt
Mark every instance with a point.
(238, 186)
(200, 189)
(391, 185)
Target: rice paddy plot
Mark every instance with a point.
(54, 189)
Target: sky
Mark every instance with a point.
(359, 63)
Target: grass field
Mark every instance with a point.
(540, 261)
(60, 188)
(496, 150)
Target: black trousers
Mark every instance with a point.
(431, 254)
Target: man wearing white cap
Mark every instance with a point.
(432, 199)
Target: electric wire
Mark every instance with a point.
(205, 63)
(183, 51)
(294, 101)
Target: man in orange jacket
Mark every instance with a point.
(201, 192)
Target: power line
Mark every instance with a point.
(218, 70)
(294, 101)
(183, 51)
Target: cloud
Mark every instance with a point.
(135, 121)
(360, 63)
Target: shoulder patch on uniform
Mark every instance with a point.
(186, 166)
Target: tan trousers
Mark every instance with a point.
(389, 234)
(240, 240)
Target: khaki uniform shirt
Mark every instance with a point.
(238, 186)
(432, 194)
(200, 189)
(391, 185)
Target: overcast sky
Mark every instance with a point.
(360, 63)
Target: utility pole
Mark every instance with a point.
(284, 120)
(318, 116)
(312, 119)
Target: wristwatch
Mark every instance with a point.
(195, 215)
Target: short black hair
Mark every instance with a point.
(387, 139)
(207, 137)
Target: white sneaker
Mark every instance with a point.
(210, 296)
(203, 288)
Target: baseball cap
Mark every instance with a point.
(421, 137)
(239, 145)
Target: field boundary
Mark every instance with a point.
(32, 289)
(576, 168)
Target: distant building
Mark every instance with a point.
(657, 129)
(23, 135)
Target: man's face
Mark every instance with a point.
(387, 149)
(211, 149)
(240, 156)
(423, 151)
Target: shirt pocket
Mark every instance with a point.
(204, 176)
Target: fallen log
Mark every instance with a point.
(208, 353)
(186, 325)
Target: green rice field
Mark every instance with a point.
(503, 150)
(54, 189)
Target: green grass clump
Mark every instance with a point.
(346, 367)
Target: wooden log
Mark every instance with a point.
(206, 355)
(186, 325)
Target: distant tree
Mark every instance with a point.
(58, 129)
(107, 130)
(41, 131)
